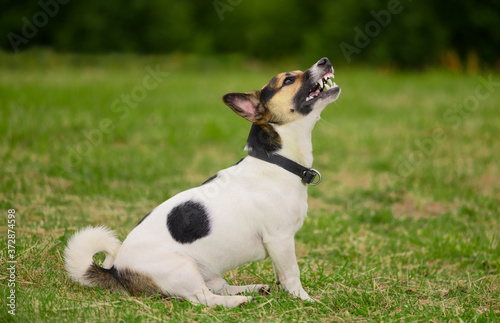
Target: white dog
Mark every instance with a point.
(244, 213)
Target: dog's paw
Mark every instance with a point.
(243, 300)
(302, 294)
(265, 290)
(309, 299)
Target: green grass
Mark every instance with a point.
(395, 232)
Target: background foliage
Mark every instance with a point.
(424, 32)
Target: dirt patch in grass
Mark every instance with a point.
(489, 183)
(413, 207)
(318, 204)
(346, 179)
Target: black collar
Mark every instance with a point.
(306, 174)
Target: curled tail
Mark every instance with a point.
(80, 264)
(79, 261)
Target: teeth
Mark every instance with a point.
(323, 84)
(328, 82)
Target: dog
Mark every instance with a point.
(244, 213)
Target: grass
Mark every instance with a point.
(404, 227)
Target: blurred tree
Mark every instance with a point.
(415, 33)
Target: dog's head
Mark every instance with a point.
(287, 98)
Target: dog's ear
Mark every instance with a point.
(246, 105)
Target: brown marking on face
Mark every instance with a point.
(286, 98)
(277, 97)
(281, 101)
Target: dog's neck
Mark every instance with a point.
(292, 140)
(297, 143)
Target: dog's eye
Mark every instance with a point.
(289, 80)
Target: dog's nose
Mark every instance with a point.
(323, 61)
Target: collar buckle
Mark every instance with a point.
(309, 175)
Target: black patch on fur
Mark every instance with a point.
(209, 180)
(239, 161)
(299, 100)
(305, 109)
(143, 218)
(269, 91)
(188, 222)
(264, 137)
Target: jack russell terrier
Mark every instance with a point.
(243, 213)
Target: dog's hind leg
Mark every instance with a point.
(206, 297)
(219, 286)
(184, 280)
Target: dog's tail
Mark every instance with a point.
(79, 260)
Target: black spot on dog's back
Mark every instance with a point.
(143, 218)
(188, 222)
(210, 179)
(239, 161)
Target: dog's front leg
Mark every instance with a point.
(285, 265)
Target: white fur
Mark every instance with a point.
(255, 208)
(82, 247)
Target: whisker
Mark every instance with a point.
(328, 123)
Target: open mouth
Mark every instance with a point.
(324, 84)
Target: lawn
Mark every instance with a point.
(404, 227)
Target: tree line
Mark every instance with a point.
(405, 33)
